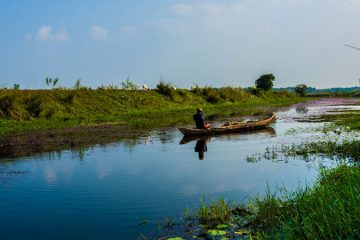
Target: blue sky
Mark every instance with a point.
(207, 42)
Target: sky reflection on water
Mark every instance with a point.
(103, 192)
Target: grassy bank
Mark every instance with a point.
(327, 210)
(29, 110)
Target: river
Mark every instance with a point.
(105, 191)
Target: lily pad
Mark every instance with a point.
(242, 232)
(222, 226)
(176, 238)
(216, 232)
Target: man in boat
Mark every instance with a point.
(199, 119)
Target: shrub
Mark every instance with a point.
(254, 91)
(128, 85)
(34, 106)
(165, 89)
(213, 97)
(9, 108)
(195, 89)
(356, 93)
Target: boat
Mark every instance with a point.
(231, 127)
(268, 131)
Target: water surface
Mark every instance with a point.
(104, 192)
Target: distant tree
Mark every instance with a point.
(16, 86)
(301, 89)
(265, 82)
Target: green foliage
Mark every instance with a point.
(16, 86)
(215, 212)
(329, 210)
(301, 89)
(330, 148)
(28, 110)
(165, 89)
(356, 93)
(211, 95)
(265, 82)
(9, 108)
(128, 84)
(77, 85)
(51, 81)
(254, 91)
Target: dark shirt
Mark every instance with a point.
(199, 120)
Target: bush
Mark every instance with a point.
(128, 85)
(196, 89)
(213, 97)
(165, 89)
(9, 108)
(254, 91)
(34, 106)
(356, 93)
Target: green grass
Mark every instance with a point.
(329, 210)
(31, 110)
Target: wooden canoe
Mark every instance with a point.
(230, 127)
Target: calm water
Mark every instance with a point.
(103, 192)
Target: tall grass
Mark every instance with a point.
(214, 212)
(329, 210)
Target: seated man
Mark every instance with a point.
(200, 120)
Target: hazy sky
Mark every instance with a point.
(208, 42)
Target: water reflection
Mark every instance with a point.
(201, 141)
(201, 147)
(7, 174)
(74, 139)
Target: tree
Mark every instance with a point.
(16, 86)
(265, 82)
(301, 89)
